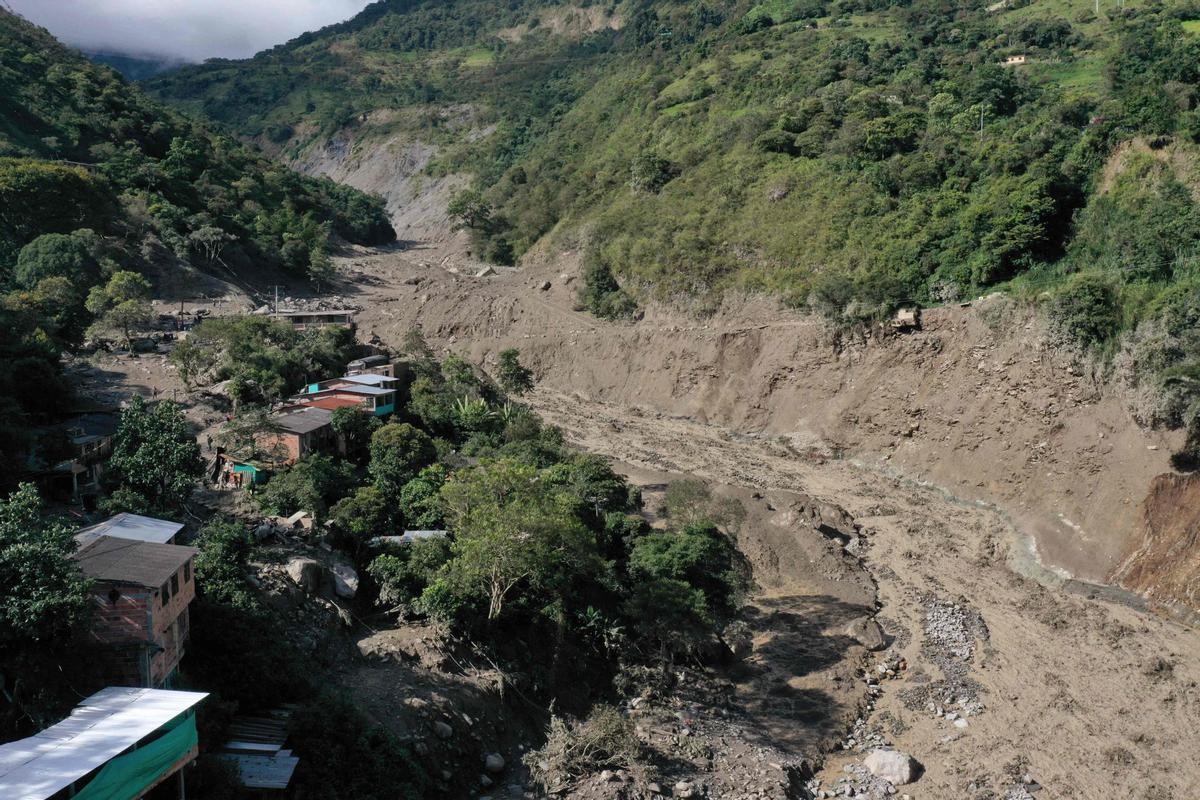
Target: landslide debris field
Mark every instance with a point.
(956, 470)
(1004, 679)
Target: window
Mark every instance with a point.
(164, 593)
(187, 572)
(175, 583)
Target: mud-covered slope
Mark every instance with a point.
(977, 402)
(1166, 565)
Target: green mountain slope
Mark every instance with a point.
(848, 155)
(82, 148)
(100, 185)
(134, 68)
(870, 150)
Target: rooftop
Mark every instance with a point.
(334, 403)
(306, 420)
(131, 526)
(149, 564)
(369, 361)
(351, 386)
(370, 379)
(101, 728)
(287, 312)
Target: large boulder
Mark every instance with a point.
(494, 763)
(345, 581)
(893, 766)
(866, 631)
(306, 573)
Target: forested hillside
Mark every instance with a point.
(98, 184)
(850, 156)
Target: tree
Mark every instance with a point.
(225, 547)
(42, 592)
(252, 432)
(510, 530)
(398, 451)
(649, 173)
(421, 499)
(361, 515)
(58, 255)
(355, 427)
(514, 377)
(192, 360)
(120, 305)
(404, 573)
(600, 293)
(155, 460)
(685, 585)
(211, 241)
(470, 210)
(311, 484)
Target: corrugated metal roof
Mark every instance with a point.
(255, 747)
(129, 561)
(306, 420)
(350, 386)
(102, 727)
(258, 771)
(371, 379)
(131, 526)
(408, 538)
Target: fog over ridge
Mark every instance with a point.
(187, 30)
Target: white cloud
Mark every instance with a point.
(188, 29)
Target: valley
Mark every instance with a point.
(732, 400)
(943, 444)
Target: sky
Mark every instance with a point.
(190, 30)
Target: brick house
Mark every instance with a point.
(299, 432)
(140, 595)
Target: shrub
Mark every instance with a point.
(405, 572)
(601, 294)
(604, 740)
(344, 754)
(513, 376)
(1086, 311)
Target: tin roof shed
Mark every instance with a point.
(100, 733)
(131, 526)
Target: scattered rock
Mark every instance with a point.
(494, 763)
(544, 286)
(443, 730)
(685, 789)
(306, 573)
(893, 766)
(867, 632)
(345, 581)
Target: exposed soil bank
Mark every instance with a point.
(975, 402)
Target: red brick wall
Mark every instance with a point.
(137, 616)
